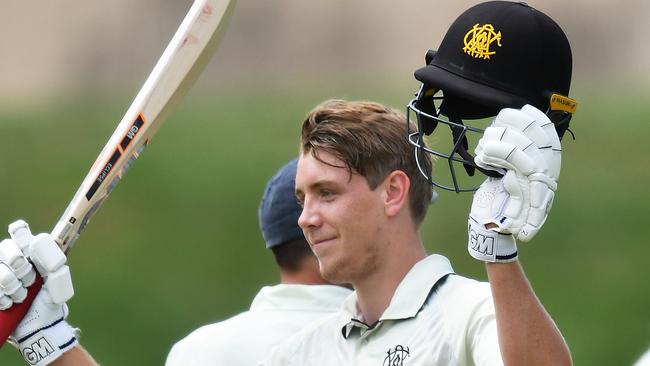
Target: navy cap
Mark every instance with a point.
(279, 209)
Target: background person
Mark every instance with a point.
(278, 311)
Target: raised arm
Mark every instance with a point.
(527, 334)
(521, 144)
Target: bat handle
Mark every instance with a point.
(10, 318)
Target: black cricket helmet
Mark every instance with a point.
(497, 54)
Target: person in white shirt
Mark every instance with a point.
(363, 200)
(365, 190)
(279, 311)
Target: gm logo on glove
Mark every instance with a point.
(481, 243)
(37, 351)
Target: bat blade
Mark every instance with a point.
(179, 66)
(175, 72)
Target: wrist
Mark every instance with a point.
(489, 245)
(45, 345)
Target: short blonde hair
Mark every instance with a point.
(371, 139)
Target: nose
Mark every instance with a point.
(310, 217)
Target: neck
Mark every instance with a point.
(307, 274)
(374, 292)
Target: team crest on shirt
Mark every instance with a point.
(396, 356)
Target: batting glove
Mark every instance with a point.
(43, 335)
(522, 145)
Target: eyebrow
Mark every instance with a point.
(315, 185)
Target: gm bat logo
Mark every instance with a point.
(133, 131)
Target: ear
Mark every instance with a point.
(396, 186)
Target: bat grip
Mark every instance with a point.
(10, 318)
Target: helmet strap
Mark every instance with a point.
(461, 148)
(460, 143)
(561, 121)
(426, 104)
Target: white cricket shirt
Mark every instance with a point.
(434, 318)
(277, 312)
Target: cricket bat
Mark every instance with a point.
(177, 69)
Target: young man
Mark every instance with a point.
(365, 190)
(277, 312)
(363, 200)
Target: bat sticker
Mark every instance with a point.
(126, 141)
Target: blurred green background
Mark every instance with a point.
(177, 245)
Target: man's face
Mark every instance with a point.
(342, 218)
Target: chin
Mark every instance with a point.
(334, 279)
(333, 273)
(327, 272)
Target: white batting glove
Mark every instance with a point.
(522, 145)
(525, 142)
(43, 335)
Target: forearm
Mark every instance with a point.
(76, 356)
(527, 334)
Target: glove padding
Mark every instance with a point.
(43, 335)
(525, 142)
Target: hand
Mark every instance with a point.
(525, 142)
(43, 335)
(522, 145)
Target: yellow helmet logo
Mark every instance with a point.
(478, 41)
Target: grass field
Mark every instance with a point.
(177, 245)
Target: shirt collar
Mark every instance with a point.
(299, 297)
(409, 297)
